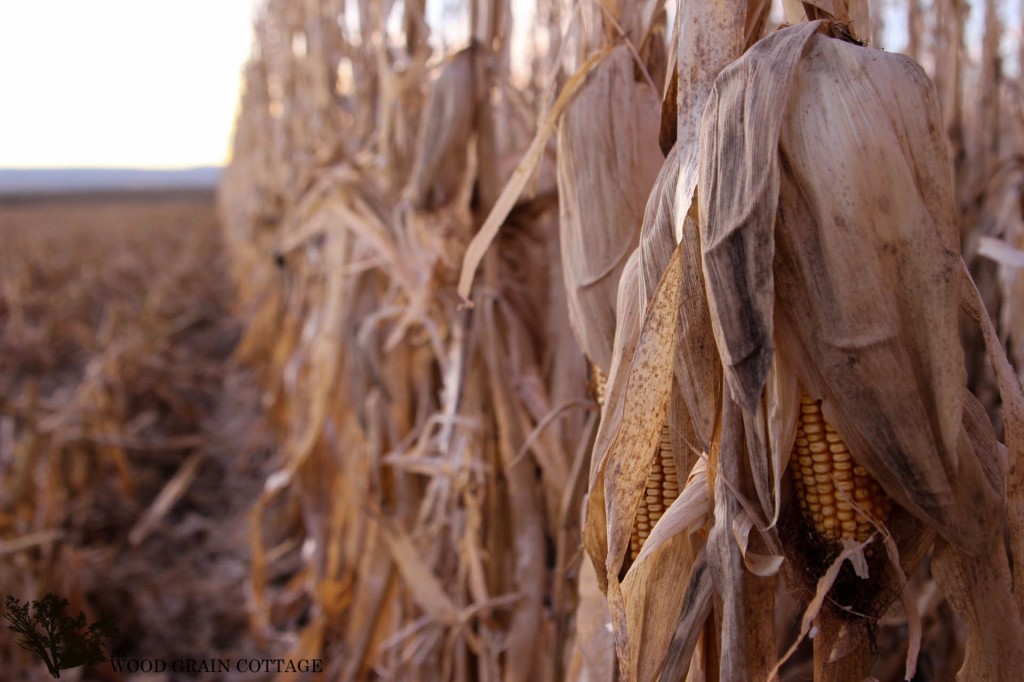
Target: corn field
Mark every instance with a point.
(571, 341)
(637, 340)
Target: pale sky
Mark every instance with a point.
(139, 83)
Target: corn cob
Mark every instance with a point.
(661, 491)
(837, 495)
(662, 486)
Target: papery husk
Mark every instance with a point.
(440, 162)
(650, 589)
(647, 265)
(677, 334)
(595, 529)
(625, 466)
(608, 158)
(845, 136)
(982, 587)
(695, 615)
(697, 367)
(627, 428)
(710, 35)
(979, 589)
(746, 598)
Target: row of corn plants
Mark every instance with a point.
(623, 339)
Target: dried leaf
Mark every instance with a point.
(978, 588)
(171, 493)
(624, 467)
(695, 613)
(686, 513)
(739, 195)
(748, 600)
(698, 367)
(627, 333)
(890, 369)
(445, 129)
(426, 589)
(520, 177)
(607, 163)
(1013, 418)
(647, 393)
(698, 373)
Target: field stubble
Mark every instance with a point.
(130, 445)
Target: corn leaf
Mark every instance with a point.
(608, 159)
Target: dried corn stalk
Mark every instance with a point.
(823, 188)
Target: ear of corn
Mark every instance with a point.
(662, 486)
(836, 494)
(829, 237)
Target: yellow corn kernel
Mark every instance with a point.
(662, 487)
(835, 493)
(597, 384)
(661, 491)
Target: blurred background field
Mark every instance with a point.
(130, 444)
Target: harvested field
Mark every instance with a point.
(130, 446)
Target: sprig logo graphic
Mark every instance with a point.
(61, 641)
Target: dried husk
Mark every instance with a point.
(697, 368)
(680, 336)
(629, 432)
(448, 120)
(608, 158)
(890, 370)
(636, 439)
(827, 193)
(652, 605)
